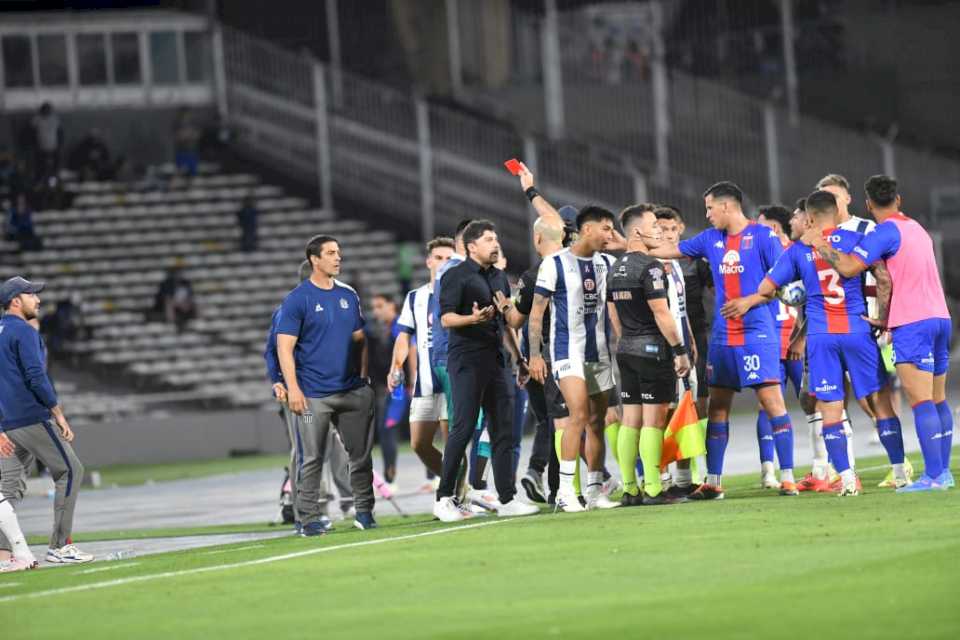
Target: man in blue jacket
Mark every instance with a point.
(32, 417)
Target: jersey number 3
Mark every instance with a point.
(833, 292)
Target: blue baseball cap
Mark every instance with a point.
(16, 286)
(569, 215)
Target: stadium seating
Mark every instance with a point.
(113, 248)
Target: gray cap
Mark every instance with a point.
(569, 215)
(15, 286)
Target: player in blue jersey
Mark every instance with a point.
(745, 351)
(839, 338)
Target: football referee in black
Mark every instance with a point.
(475, 366)
(650, 353)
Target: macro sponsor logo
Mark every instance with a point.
(731, 263)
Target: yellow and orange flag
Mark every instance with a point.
(685, 436)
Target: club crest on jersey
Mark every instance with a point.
(589, 284)
(731, 263)
(344, 304)
(747, 242)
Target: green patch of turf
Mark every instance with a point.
(753, 565)
(136, 474)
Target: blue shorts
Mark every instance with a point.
(751, 365)
(925, 344)
(791, 371)
(830, 354)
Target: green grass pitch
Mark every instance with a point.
(752, 566)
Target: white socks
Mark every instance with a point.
(786, 475)
(684, 477)
(594, 480)
(848, 431)
(11, 530)
(567, 469)
(713, 479)
(817, 445)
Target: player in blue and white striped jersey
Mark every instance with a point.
(574, 281)
(428, 409)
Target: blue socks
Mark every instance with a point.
(836, 441)
(718, 433)
(783, 440)
(927, 420)
(891, 437)
(764, 437)
(946, 431)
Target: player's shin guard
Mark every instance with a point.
(628, 442)
(891, 437)
(557, 443)
(612, 432)
(946, 433)
(764, 437)
(783, 441)
(927, 420)
(836, 441)
(718, 433)
(651, 448)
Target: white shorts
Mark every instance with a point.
(597, 375)
(428, 408)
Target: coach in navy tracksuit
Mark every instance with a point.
(32, 418)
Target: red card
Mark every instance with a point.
(513, 166)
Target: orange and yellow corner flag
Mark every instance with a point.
(685, 436)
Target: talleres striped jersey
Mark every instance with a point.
(577, 288)
(784, 317)
(834, 304)
(864, 226)
(677, 297)
(738, 264)
(416, 319)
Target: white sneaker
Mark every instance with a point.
(446, 510)
(569, 502)
(485, 499)
(68, 554)
(516, 508)
(611, 487)
(16, 564)
(597, 500)
(768, 477)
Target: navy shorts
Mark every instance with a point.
(829, 355)
(925, 344)
(750, 365)
(791, 371)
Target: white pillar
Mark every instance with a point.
(789, 59)
(530, 159)
(661, 96)
(425, 154)
(552, 72)
(333, 40)
(219, 71)
(324, 166)
(640, 191)
(453, 48)
(888, 153)
(773, 151)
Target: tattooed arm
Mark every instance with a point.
(845, 264)
(537, 365)
(884, 290)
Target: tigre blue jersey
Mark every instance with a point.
(738, 264)
(834, 304)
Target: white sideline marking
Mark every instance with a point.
(248, 563)
(213, 553)
(7, 585)
(118, 566)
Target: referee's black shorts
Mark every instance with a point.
(646, 380)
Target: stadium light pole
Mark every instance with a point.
(661, 91)
(552, 72)
(789, 59)
(425, 154)
(530, 159)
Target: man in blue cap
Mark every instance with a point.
(32, 418)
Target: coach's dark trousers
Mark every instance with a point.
(544, 453)
(477, 380)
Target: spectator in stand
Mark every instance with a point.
(65, 325)
(174, 300)
(20, 225)
(247, 218)
(186, 136)
(90, 158)
(48, 140)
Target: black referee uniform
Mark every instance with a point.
(475, 365)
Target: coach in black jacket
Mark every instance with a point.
(475, 364)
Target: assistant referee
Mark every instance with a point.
(475, 365)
